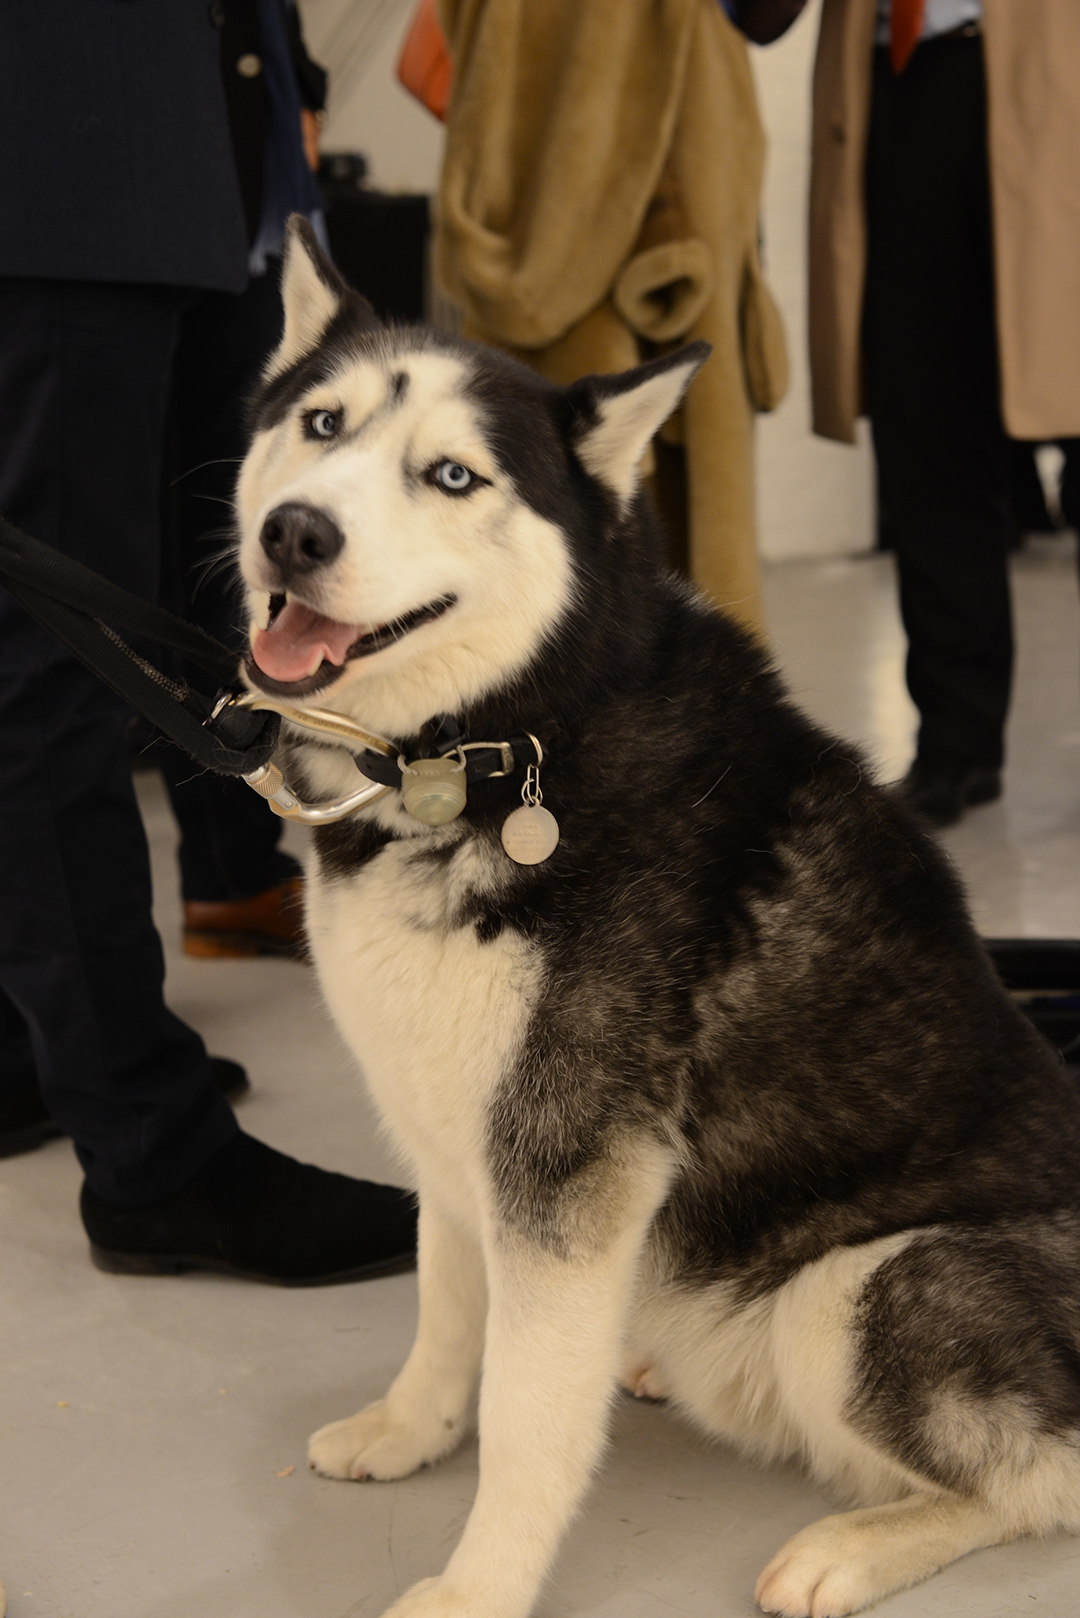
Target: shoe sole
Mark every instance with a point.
(157, 1264)
(16, 1141)
(214, 946)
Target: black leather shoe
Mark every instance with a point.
(940, 789)
(257, 1214)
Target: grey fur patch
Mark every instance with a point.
(968, 1348)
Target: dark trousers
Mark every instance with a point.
(86, 400)
(228, 842)
(931, 373)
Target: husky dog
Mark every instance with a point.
(722, 1097)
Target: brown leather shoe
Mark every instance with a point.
(270, 923)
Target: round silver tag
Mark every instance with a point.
(530, 834)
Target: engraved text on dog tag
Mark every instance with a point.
(530, 834)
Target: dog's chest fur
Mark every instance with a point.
(434, 1016)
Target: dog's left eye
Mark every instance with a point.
(321, 423)
(453, 477)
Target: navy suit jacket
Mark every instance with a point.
(115, 158)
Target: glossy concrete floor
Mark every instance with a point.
(152, 1432)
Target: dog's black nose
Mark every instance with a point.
(298, 539)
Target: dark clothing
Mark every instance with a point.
(117, 164)
(128, 333)
(245, 104)
(84, 399)
(1069, 493)
(228, 841)
(932, 392)
(289, 186)
(246, 93)
(764, 20)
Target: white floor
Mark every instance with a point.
(152, 1432)
(838, 639)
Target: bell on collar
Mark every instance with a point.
(433, 789)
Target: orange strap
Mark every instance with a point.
(425, 66)
(907, 21)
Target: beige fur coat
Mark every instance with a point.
(599, 204)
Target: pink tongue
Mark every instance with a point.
(298, 640)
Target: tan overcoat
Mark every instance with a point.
(1033, 83)
(599, 201)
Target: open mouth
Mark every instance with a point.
(301, 651)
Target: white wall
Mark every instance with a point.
(815, 498)
(358, 41)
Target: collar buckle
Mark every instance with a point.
(506, 753)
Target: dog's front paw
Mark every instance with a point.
(827, 1571)
(434, 1598)
(379, 1443)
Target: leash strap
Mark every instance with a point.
(84, 611)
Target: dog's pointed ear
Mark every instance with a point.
(615, 417)
(312, 293)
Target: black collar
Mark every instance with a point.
(444, 735)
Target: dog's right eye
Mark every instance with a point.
(453, 478)
(321, 423)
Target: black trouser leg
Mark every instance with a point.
(932, 388)
(84, 376)
(18, 1070)
(1070, 482)
(228, 837)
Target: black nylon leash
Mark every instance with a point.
(84, 611)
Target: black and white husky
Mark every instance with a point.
(722, 1097)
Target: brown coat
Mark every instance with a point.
(1032, 52)
(600, 191)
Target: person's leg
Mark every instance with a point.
(229, 847)
(171, 1181)
(1027, 498)
(24, 1121)
(83, 385)
(1069, 490)
(932, 391)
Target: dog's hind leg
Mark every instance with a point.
(429, 1405)
(842, 1564)
(941, 1367)
(559, 1301)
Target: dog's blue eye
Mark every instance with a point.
(322, 423)
(453, 477)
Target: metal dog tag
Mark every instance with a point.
(530, 834)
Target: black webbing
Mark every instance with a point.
(82, 610)
(481, 762)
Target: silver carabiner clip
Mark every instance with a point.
(270, 783)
